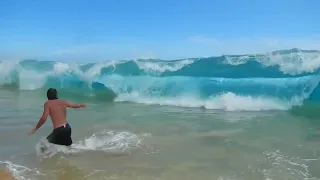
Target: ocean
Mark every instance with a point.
(231, 117)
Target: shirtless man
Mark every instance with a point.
(56, 108)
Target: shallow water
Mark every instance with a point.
(136, 141)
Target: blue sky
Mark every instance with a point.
(167, 29)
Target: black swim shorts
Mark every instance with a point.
(61, 136)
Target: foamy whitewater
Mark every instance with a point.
(232, 117)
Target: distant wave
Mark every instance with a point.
(270, 81)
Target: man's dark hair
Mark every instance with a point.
(52, 94)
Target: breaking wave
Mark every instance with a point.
(271, 81)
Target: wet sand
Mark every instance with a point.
(5, 174)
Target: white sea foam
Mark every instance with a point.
(293, 63)
(6, 68)
(20, 172)
(30, 80)
(163, 66)
(293, 167)
(101, 141)
(226, 101)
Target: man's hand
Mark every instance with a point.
(32, 131)
(83, 105)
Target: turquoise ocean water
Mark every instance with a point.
(239, 117)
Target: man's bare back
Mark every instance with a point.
(56, 109)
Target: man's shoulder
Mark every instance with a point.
(54, 101)
(46, 104)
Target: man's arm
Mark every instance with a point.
(71, 105)
(43, 118)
